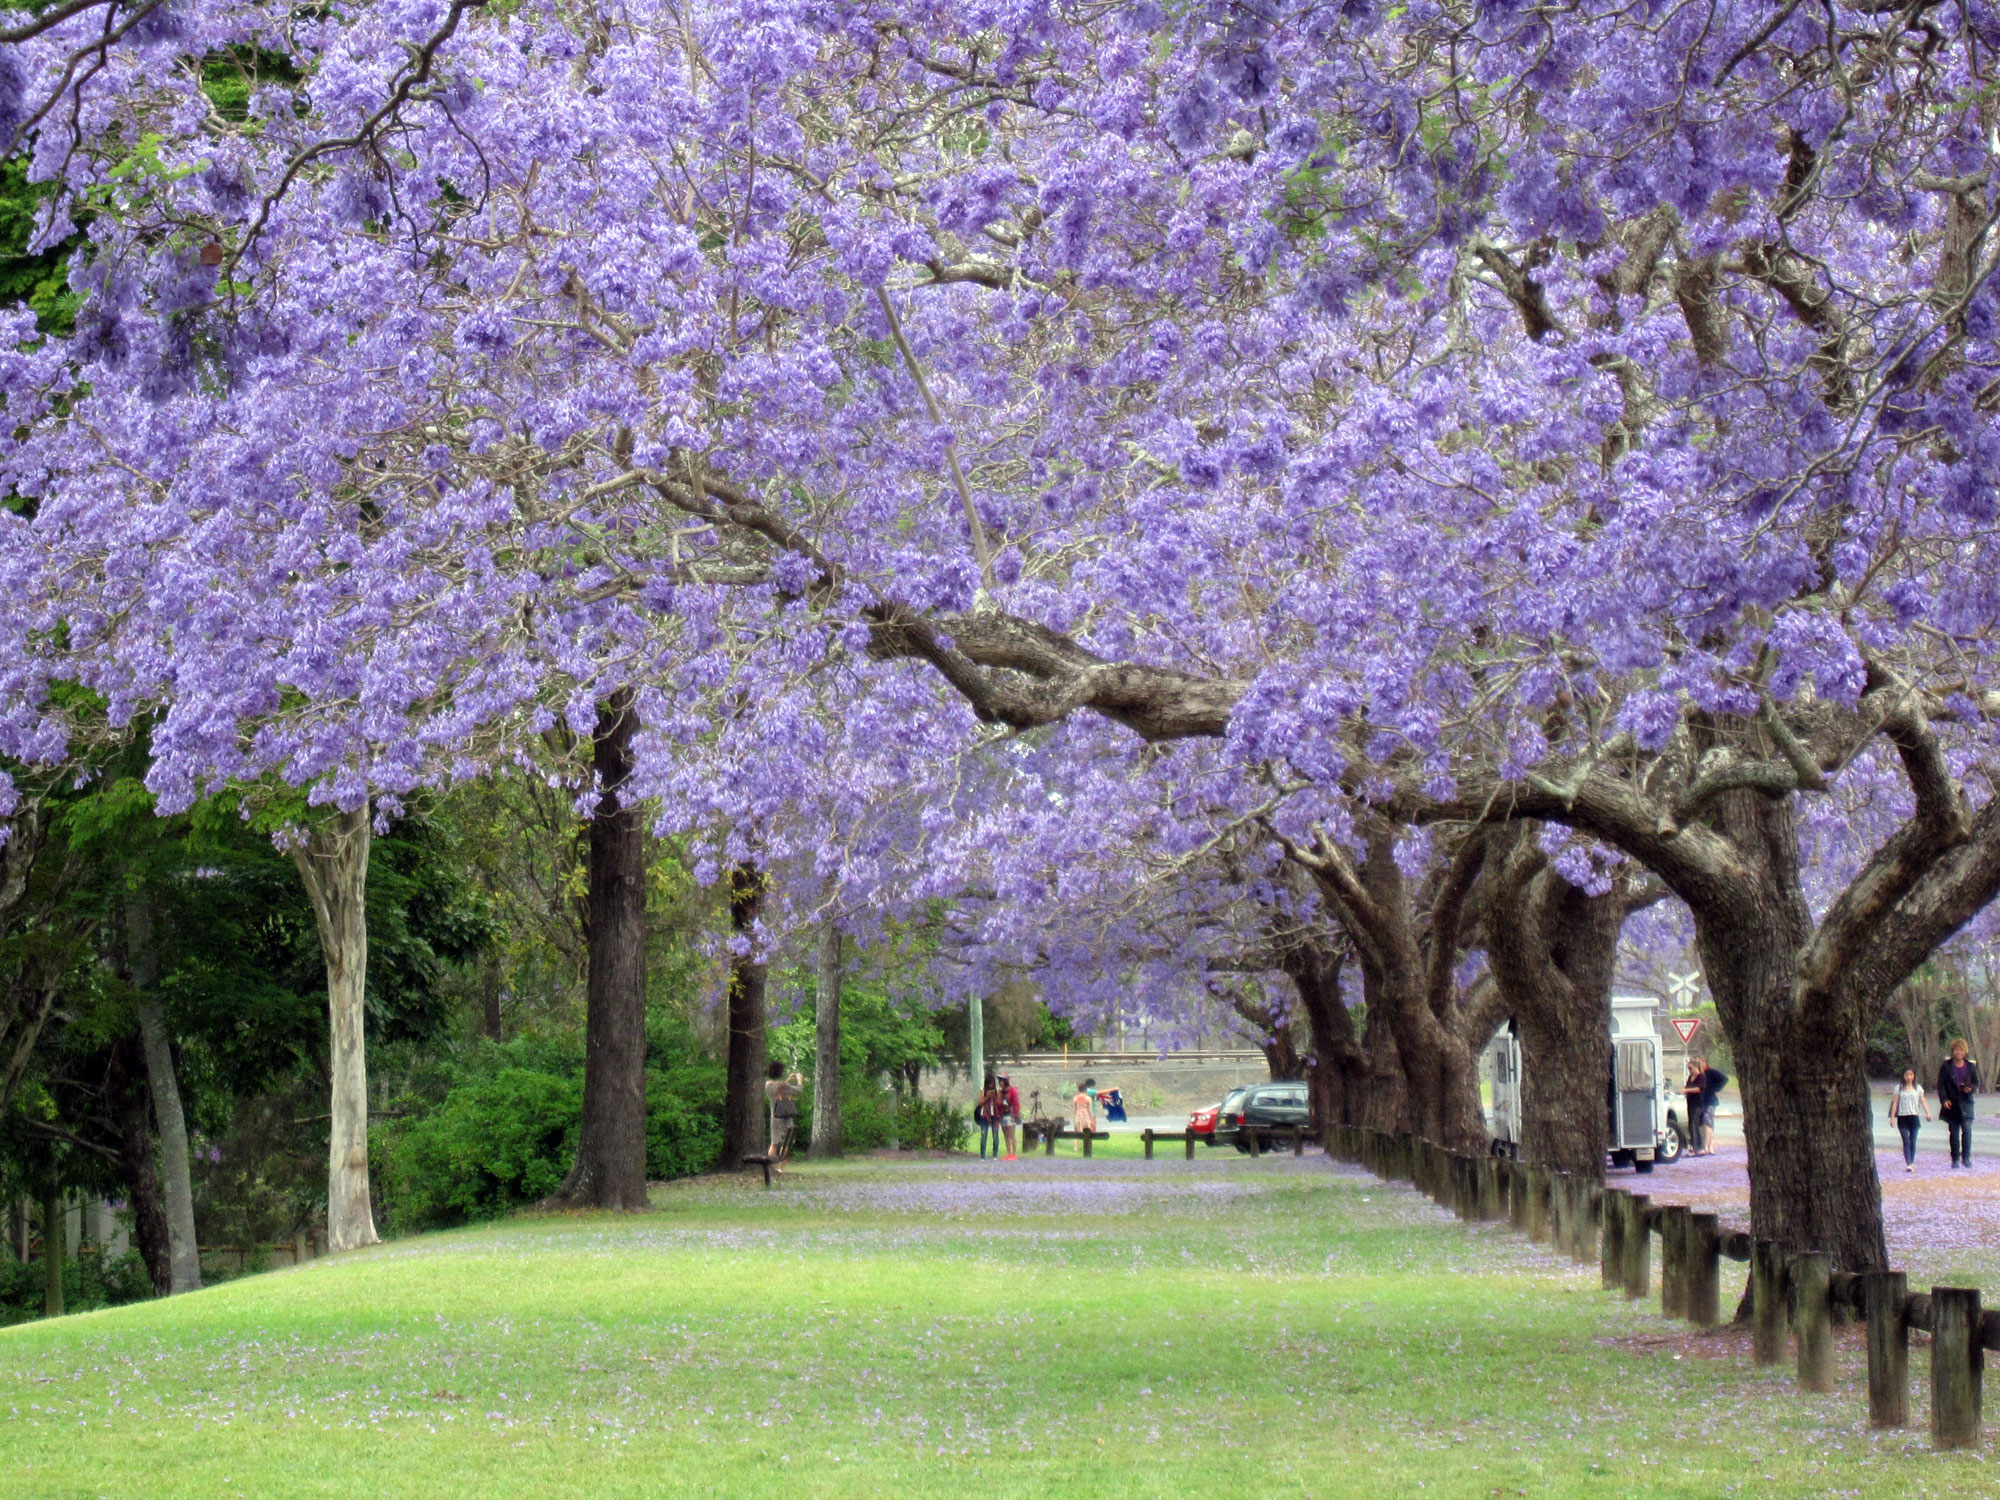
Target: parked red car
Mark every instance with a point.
(1202, 1123)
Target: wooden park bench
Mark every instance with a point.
(760, 1161)
(1050, 1137)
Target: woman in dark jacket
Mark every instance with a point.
(1957, 1082)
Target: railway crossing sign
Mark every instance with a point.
(1687, 1026)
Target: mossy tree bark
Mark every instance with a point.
(610, 1167)
(743, 1125)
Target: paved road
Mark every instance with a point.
(1729, 1124)
(1931, 1140)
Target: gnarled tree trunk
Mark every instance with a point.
(1800, 1055)
(132, 1115)
(610, 1166)
(1553, 951)
(743, 1124)
(1410, 985)
(1337, 1069)
(1271, 1031)
(333, 862)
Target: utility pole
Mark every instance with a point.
(976, 1014)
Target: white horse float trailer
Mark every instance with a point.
(1647, 1114)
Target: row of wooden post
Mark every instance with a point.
(1790, 1290)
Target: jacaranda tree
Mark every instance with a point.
(1461, 412)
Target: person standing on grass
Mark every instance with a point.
(1704, 1087)
(1957, 1082)
(1083, 1108)
(1010, 1111)
(1905, 1102)
(986, 1115)
(783, 1093)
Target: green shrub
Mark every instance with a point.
(921, 1124)
(684, 1118)
(933, 1125)
(503, 1135)
(493, 1144)
(88, 1281)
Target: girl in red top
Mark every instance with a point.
(1010, 1112)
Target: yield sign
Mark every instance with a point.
(1687, 1026)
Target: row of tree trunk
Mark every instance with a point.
(609, 1171)
(1551, 951)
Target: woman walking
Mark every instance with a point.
(1906, 1100)
(1957, 1082)
(986, 1115)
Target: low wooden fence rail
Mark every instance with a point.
(1049, 1137)
(1791, 1290)
(1253, 1135)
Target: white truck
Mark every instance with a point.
(1647, 1110)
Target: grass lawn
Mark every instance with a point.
(1227, 1330)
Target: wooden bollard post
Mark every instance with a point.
(1298, 1143)
(1049, 1143)
(1559, 1212)
(1517, 1195)
(1190, 1145)
(1704, 1270)
(1535, 1184)
(1611, 1239)
(1638, 1246)
(1812, 1318)
(1478, 1199)
(1582, 1246)
(1883, 1294)
(1589, 1215)
(1256, 1141)
(1673, 1260)
(1769, 1300)
(1474, 1202)
(1089, 1139)
(1957, 1362)
(1146, 1135)
(1492, 1198)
